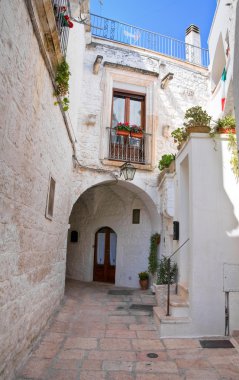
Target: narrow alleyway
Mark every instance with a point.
(98, 335)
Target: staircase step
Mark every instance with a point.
(183, 290)
(160, 317)
(178, 301)
(170, 326)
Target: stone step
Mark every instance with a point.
(179, 306)
(170, 326)
(182, 290)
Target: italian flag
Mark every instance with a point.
(223, 78)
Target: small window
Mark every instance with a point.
(50, 198)
(74, 236)
(136, 216)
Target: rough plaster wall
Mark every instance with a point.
(110, 206)
(189, 87)
(34, 143)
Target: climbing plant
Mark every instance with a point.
(62, 84)
(153, 253)
(232, 146)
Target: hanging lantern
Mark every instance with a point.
(127, 171)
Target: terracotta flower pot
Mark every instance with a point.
(122, 133)
(198, 129)
(144, 284)
(136, 135)
(227, 130)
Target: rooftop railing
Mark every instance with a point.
(130, 35)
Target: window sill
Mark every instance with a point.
(147, 167)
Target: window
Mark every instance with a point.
(50, 198)
(136, 216)
(128, 107)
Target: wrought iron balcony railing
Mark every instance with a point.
(127, 148)
(61, 9)
(127, 34)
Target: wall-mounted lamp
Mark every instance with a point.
(127, 171)
(96, 65)
(166, 79)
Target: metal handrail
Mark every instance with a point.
(169, 266)
(114, 30)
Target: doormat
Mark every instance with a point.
(137, 306)
(216, 343)
(120, 292)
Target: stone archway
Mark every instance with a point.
(112, 204)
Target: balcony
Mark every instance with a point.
(61, 9)
(128, 148)
(130, 35)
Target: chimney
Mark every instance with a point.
(193, 45)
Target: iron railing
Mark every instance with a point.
(127, 34)
(169, 278)
(127, 148)
(62, 8)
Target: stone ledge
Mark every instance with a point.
(120, 163)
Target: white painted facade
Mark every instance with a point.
(207, 210)
(38, 140)
(136, 70)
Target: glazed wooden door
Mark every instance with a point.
(105, 255)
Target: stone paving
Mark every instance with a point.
(96, 336)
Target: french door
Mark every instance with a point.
(105, 255)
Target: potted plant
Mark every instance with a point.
(165, 161)
(163, 275)
(197, 120)
(136, 132)
(180, 136)
(62, 84)
(123, 129)
(144, 280)
(227, 124)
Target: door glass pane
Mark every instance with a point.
(101, 248)
(135, 112)
(118, 111)
(113, 240)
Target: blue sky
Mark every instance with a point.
(168, 17)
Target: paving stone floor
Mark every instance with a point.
(96, 336)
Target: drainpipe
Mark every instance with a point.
(193, 45)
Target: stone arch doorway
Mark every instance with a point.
(112, 204)
(105, 255)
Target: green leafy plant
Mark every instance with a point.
(163, 274)
(153, 253)
(123, 127)
(136, 129)
(227, 123)
(232, 146)
(179, 135)
(62, 84)
(143, 275)
(196, 116)
(165, 161)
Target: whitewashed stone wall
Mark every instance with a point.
(164, 112)
(221, 44)
(34, 144)
(189, 87)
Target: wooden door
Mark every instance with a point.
(105, 255)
